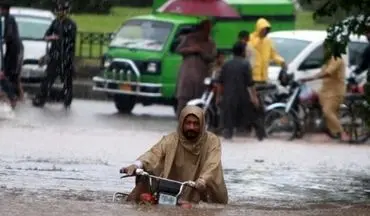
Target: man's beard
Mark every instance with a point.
(191, 134)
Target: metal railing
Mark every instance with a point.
(92, 45)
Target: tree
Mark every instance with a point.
(338, 33)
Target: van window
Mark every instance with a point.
(314, 60)
(355, 50)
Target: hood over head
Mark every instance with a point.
(261, 24)
(192, 145)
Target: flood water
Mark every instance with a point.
(52, 156)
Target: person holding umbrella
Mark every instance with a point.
(60, 58)
(199, 53)
(13, 59)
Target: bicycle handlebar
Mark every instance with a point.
(141, 172)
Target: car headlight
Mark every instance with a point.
(152, 67)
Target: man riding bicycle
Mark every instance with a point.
(190, 154)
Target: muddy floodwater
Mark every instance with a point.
(57, 162)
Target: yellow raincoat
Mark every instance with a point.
(265, 52)
(177, 158)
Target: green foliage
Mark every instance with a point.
(338, 33)
(78, 6)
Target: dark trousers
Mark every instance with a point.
(48, 81)
(12, 69)
(246, 116)
(8, 88)
(258, 120)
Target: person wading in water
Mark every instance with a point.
(13, 59)
(60, 59)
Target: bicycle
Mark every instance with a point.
(163, 191)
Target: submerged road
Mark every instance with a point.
(52, 156)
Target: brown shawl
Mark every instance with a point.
(177, 158)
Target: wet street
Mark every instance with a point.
(67, 162)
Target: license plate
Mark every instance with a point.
(166, 199)
(125, 87)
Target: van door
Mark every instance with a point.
(310, 66)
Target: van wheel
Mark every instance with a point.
(124, 103)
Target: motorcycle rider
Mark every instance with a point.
(190, 154)
(13, 59)
(220, 60)
(60, 59)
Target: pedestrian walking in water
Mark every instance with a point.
(60, 58)
(239, 97)
(13, 59)
(199, 52)
(332, 92)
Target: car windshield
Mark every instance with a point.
(289, 48)
(143, 34)
(32, 28)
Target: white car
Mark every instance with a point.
(303, 52)
(32, 25)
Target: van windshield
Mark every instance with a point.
(143, 34)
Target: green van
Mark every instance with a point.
(140, 65)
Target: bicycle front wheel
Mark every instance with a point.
(356, 127)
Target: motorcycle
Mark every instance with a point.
(356, 108)
(302, 111)
(207, 102)
(163, 191)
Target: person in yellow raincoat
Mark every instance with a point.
(190, 154)
(264, 51)
(332, 92)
